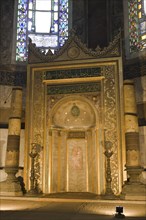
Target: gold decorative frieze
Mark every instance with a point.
(36, 122)
(70, 89)
(80, 72)
(110, 120)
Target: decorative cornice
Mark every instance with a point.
(74, 49)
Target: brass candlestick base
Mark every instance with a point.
(108, 153)
(34, 189)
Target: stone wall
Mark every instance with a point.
(6, 30)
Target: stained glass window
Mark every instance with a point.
(137, 25)
(44, 21)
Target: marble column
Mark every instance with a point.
(11, 186)
(133, 187)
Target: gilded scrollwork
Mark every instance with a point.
(38, 129)
(110, 121)
(52, 100)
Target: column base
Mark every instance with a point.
(34, 193)
(134, 192)
(8, 188)
(110, 197)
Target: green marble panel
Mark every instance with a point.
(76, 88)
(73, 73)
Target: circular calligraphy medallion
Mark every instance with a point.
(73, 52)
(75, 111)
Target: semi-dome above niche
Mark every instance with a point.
(73, 114)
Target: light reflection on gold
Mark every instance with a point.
(108, 208)
(10, 207)
(98, 207)
(143, 37)
(7, 205)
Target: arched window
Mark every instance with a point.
(135, 23)
(44, 21)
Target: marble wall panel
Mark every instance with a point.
(77, 164)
